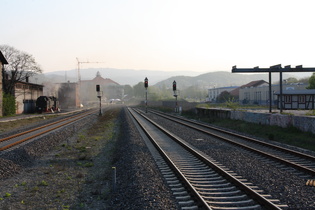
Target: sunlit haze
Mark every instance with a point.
(167, 35)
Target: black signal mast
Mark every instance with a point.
(273, 69)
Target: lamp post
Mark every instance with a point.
(99, 95)
(146, 94)
(175, 94)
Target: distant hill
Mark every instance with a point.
(212, 79)
(121, 76)
(184, 79)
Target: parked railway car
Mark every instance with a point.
(47, 104)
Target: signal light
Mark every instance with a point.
(98, 88)
(146, 82)
(174, 85)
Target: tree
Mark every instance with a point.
(128, 91)
(224, 97)
(139, 90)
(21, 66)
(311, 82)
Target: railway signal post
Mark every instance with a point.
(99, 95)
(175, 95)
(146, 94)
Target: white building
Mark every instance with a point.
(260, 94)
(213, 93)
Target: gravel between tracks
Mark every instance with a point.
(289, 188)
(74, 171)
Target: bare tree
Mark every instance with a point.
(21, 66)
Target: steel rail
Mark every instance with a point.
(253, 194)
(77, 117)
(286, 150)
(201, 202)
(38, 128)
(265, 154)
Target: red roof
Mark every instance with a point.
(256, 83)
(100, 80)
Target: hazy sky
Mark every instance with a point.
(168, 35)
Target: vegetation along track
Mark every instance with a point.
(21, 137)
(299, 161)
(198, 180)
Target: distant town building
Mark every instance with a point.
(248, 94)
(73, 95)
(213, 93)
(295, 95)
(258, 93)
(3, 61)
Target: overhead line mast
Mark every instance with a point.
(79, 62)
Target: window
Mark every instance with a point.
(287, 99)
(302, 99)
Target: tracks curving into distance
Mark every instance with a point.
(19, 138)
(198, 181)
(302, 162)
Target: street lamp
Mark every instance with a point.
(146, 94)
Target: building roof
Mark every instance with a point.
(2, 59)
(100, 80)
(256, 83)
(297, 92)
(28, 83)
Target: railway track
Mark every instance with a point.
(302, 164)
(198, 181)
(15, 140)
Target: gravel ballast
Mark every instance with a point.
(73, 169)
(284, 185)
(76, 172)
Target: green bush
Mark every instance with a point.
(8, 105)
